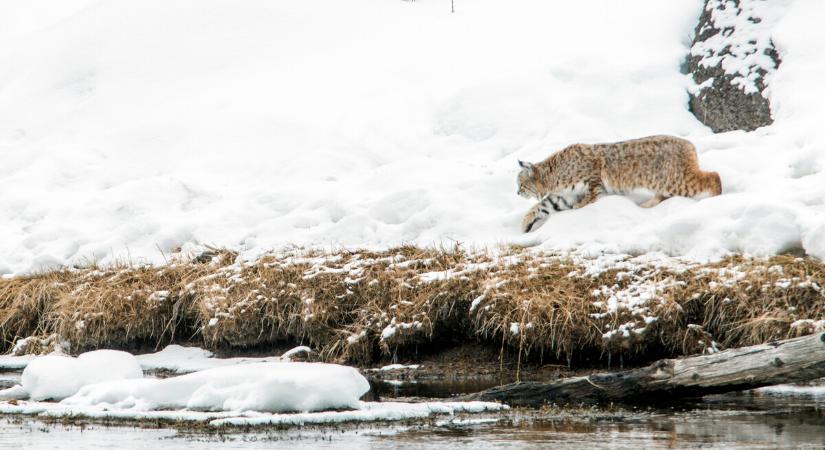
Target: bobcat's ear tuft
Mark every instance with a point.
(525, 165)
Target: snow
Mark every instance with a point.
(369, 412)
(793, 390)
(10, 362)
(458, 422)
(514, 328)
(173, 358)
(114, 379)
(364, 412)
(392, 367)
(273, 387)
(110, 384)
(20, 346)
(57, 376)
(390, 330)
(132, 130)
(179, 359)
(740, 49)
(477, 301)
(16, 392)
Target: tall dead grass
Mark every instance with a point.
(24, 301)
(359, 306)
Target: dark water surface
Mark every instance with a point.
(750, 420)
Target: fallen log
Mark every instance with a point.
(791, 360)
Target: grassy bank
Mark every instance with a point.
(361, 306)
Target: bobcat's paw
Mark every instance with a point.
(531, 223)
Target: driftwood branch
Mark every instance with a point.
(791, 360)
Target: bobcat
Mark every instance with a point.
(580, 173)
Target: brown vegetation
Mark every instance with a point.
(358, 306)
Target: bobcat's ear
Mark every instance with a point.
(525, 165)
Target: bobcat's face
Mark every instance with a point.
(527, 187)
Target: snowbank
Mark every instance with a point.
(132, 129)
(272, 387)
(56, 376)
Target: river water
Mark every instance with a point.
(747, 420)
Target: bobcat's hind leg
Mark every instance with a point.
(658, 198)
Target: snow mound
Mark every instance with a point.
(114, 379)
(173, 358)
(57, 377)
(179, 359)
(273, 387)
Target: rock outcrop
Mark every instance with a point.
(731, 61)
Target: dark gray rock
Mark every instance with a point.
(723, 105)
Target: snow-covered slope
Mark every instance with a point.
(130, 129)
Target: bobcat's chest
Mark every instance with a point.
(570, 196)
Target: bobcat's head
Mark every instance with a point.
(527, 181)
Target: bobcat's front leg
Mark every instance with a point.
(534, 218)
(595, 189)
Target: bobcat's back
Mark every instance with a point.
(665, 165)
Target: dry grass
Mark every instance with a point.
(358, 306)
(122, 307)
(25, 301)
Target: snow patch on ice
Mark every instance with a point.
(465, 422)
(793, 390)
(369, 412)
(392, 367)
(364, 412)
(11, 362)
(270, 387)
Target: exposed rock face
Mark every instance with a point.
(731, 60)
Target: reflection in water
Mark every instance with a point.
(380, 389)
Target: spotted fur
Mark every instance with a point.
(539, 213)
(578, 175)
